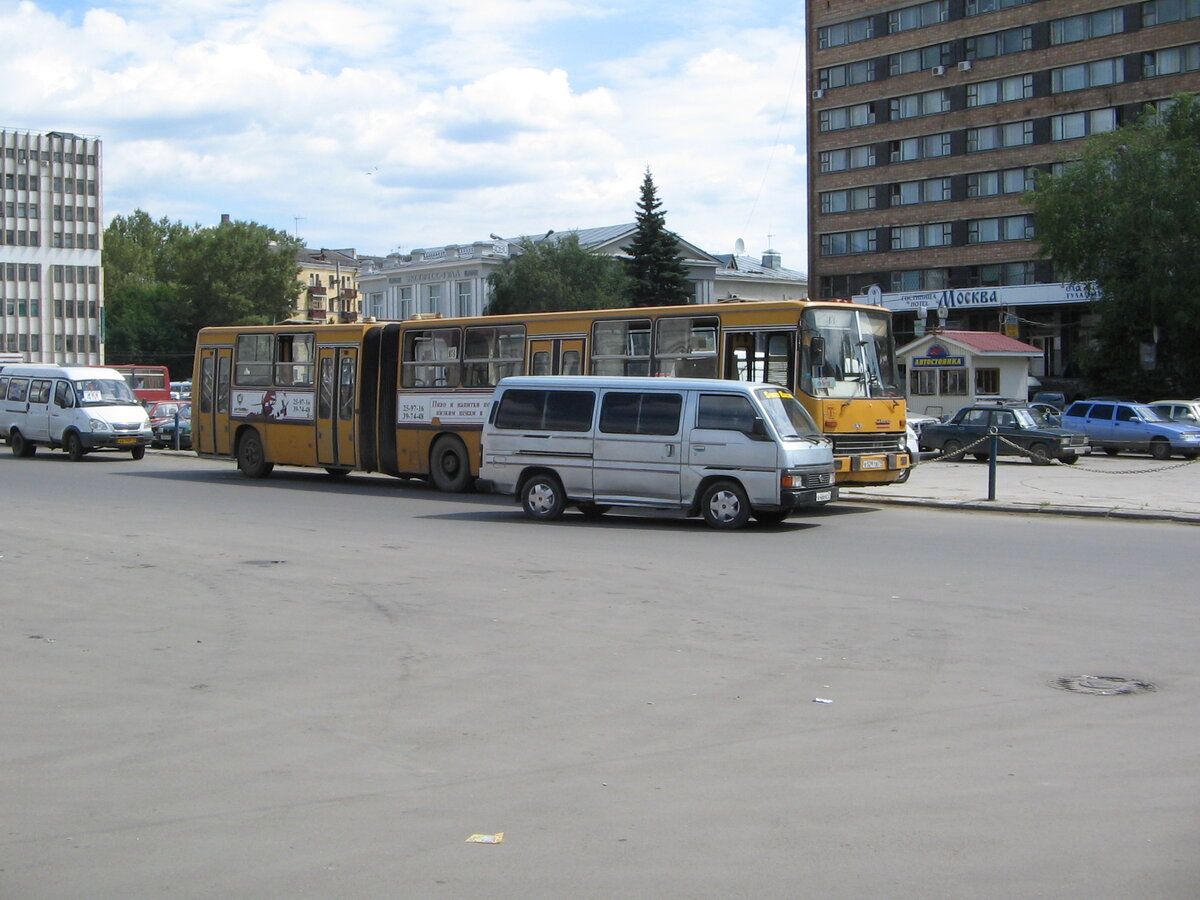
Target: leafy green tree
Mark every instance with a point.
(150, 327)
(553, 275)
(659, 278)
(1127, 216)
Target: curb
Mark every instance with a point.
(999, 506)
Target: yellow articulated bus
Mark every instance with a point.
(409, 398)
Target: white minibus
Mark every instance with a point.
(77, 408)
(724, 450)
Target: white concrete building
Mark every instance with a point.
(51, 278)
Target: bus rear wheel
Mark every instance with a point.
(449, 466)
(251, 458)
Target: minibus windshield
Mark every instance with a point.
(105, 392)
(790, 419)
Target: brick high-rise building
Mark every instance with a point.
(51, 280)
(926, 124)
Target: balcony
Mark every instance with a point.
(348, 294)
(316, 290)
(316, 314)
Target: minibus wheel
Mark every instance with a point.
(449, 466)
(21, 446)
(542, 497)
(74, 446)
(725, 505)
(251, 458)
(138, 452)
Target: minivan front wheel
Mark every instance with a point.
(725, 505)
(74, 444)
(1160, 448)
(543, 498)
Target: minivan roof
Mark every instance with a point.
(52, 371)
(634, 382)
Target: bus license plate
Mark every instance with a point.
(872, 464)
(823, 496)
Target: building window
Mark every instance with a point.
(463, 289)
(979, 7)
(929, 146)
(998, 137)
(1160, 12)
(914, 237)
(931, 190)
(1002, 90)
(1086, 75)
(987, 381)
(924, 381)
(844, 117)
(843, 243)
(927, 103)
(1171, 61)
(845, 33)
(1076, 125)
(1002, 228)
(1005, 181)
(920, 280)
(847, 158)
(1091, 25)
(919, 16)
(999, 43)
(849, 200)
(953, 381)
(850, 73)
(1001, 274)
(919, 59)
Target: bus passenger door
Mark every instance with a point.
(210, 406)
(556, 356)
(336, 377)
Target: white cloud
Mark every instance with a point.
(419, 125)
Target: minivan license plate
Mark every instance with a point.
(823, 496)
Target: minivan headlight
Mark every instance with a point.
(99, 425)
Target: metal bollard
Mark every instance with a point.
(175, 435)
(993, 448)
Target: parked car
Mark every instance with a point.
(1016, 424)
(1057, 399)
(164, 429)
(161, 412)
(1052, 414)
(1185, 412)
(1118, 425)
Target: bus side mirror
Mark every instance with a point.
(816, 350)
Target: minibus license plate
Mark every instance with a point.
(823, 496)
(126, 440)
(872, 464)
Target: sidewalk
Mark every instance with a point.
(1125, 486)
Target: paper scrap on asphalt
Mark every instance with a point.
(496, 838)
(821, 700)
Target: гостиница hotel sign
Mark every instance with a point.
(1012, 295)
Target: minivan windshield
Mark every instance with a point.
(790, 419)
(105, 392)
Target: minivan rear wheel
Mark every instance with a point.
(542, 497)
(21, 446)
(725, 505)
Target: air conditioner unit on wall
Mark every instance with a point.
(938, 70)
(818, 94)
(964, 66)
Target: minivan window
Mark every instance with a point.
(546, 410)
(640, 413)
(787, 415)
(39, 392)
(731, 412)
(18, 389)
(64, 398)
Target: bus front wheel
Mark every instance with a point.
(449, 466)
(251, 458)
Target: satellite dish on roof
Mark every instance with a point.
(739, 246)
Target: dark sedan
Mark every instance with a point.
(1022, 431)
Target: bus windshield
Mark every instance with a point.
(847, 352)
(790, 419)
(104, 392)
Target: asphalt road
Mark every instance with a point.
(215, 687)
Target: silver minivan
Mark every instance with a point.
(77, 408)
(724, 450)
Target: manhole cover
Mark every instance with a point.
(1105, 685)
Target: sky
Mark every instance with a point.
(401, 125)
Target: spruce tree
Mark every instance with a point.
(656, 269)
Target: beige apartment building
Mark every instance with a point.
(51, 234)
(927, 122)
